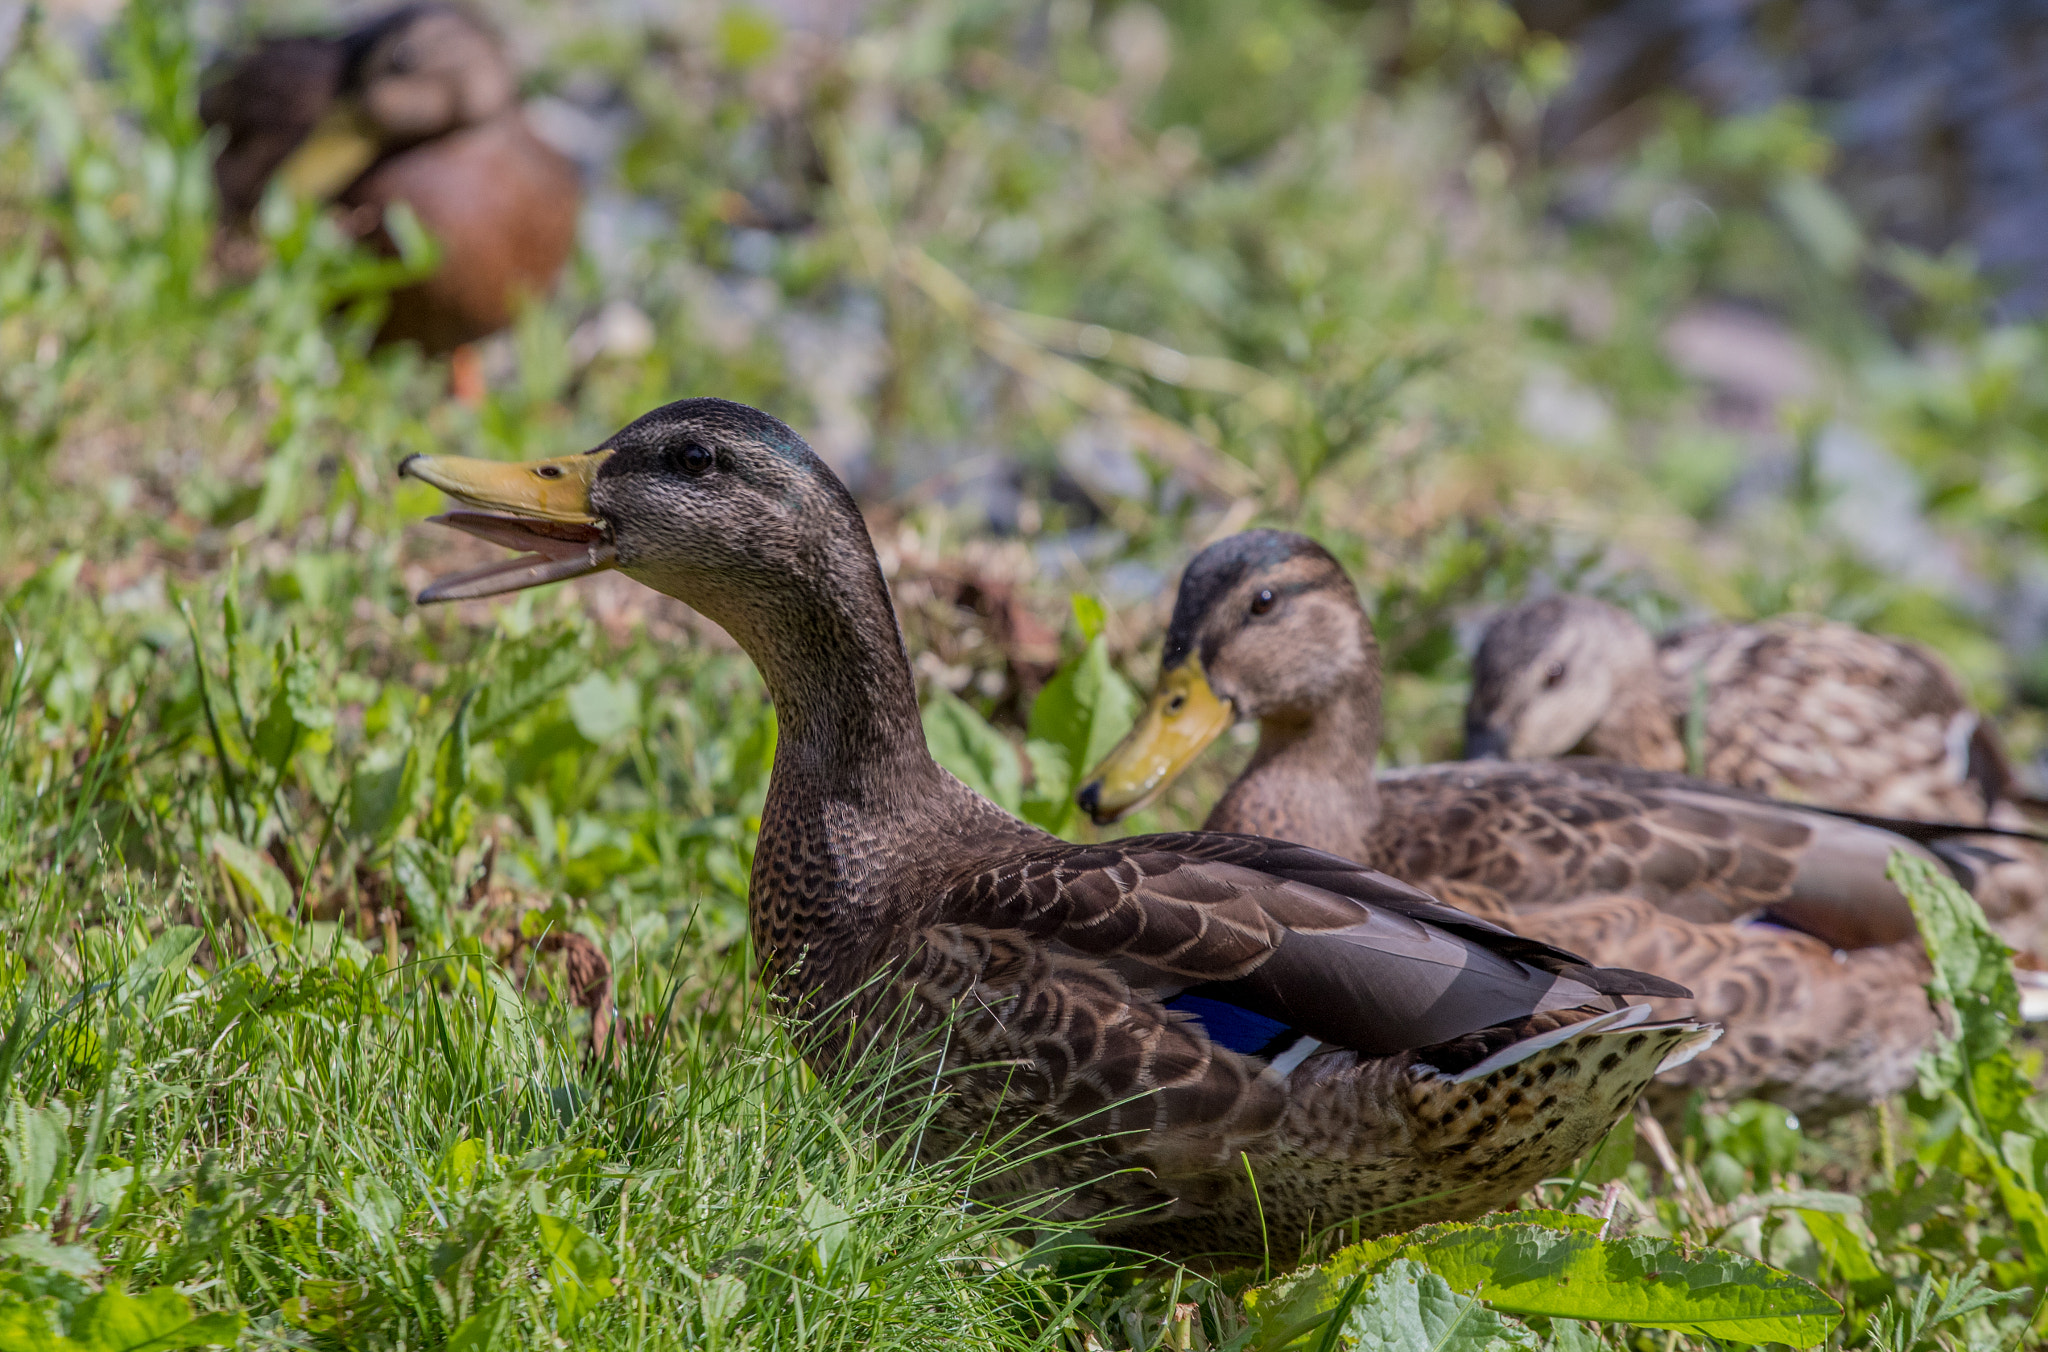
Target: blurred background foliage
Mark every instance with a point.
(1064, 290)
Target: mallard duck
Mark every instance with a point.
(1797, 708)
(1822, 1003)
(418, 105)
(1232, 1042)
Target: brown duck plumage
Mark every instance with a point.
(1231, 1041)
(418, 105)
(1797, 708)
(1648, 870)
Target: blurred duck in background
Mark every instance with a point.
(1779, 917)
(1796, 708)
(418, 105)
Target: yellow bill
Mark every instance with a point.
(1181, 719)
(333, 155)
(541, 506)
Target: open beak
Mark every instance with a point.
(542, 506)
(333, 155)
(1183, 717)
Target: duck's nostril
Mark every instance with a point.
(1090, 796)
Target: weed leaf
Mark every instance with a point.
(1076, 719)
(974, 750)
(1563, 1269)
(114, 1321)
(579, 1269)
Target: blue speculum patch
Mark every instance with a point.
(1238, 1029)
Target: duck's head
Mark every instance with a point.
(714, 503)
(1266, 628)
(1547, 671)
(407, 76)
(428, 69)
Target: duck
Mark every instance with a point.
(1793, 707)
(1782, 919)
(1215, 1048)
(416, 105)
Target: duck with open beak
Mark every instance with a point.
(1215, 1047)
(541, 506)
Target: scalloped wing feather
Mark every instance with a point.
(1381, 970)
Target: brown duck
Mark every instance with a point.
(420, 106)
(1797, 708)
(1233, 1043)
(1822, 1004)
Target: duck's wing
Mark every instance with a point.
(1504, 838)
(1265, 941)
(1823, 712)
(1821, 1030)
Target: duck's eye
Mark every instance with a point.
(1554, 675)
(697, 457)
(1176, 704)
(1263, 602)
(549, 471)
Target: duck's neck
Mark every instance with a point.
(845, 705)
(854, 798)
(1310, 780)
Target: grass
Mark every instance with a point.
(288, 865)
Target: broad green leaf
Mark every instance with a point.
(300, 703)
(381, 789)
(1849, 1251)
(480, 1332)
(278, 734)
(26, 1328)
(465, 1157)
(1651, 1283)
(1407, 1308)
(418, 251)
(1301, 1301)
(973, 749)
(167, 955)
(80, 1046)
(1569, 1335)
(38, 1146)
(1548, 1263)
(446, 821)
(604, 706)
(1975, 1070)
(372, 1204)
(427, 879)
(522, 674)
(37, 1248)
(826, 1224)
(114, 1321)
(720, 1298)
(1821, 221)
(259, 881)
(579, 1269)
(1075, 721)
(1972, 967)
(1089, 615)
(307, 692)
